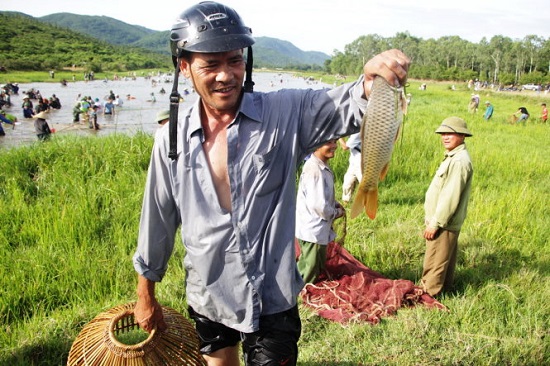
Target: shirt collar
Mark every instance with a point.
(321, 163)
(194, 119)
(456, 150)
(247, 107)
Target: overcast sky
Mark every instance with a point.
(326, 25)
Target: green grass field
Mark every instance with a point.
(69, 212)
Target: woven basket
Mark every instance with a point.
(97, 344)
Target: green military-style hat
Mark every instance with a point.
(454, 125)
(162, 115)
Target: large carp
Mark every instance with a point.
(379, 130)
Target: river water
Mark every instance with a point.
(136, 114)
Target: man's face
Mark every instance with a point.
(217, 77)
(451, 140)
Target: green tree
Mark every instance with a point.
(497, 49)
(406, 43)
(533, 45)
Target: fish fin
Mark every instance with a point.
(383, 173)
(371, 203)
(358, 204)
(367, 201)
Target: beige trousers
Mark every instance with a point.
(440, 261)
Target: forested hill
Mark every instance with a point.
(30, 44)
(267, 49)
(104, 43)
(107, 29)
(268, 52)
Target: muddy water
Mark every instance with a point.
(136, 114)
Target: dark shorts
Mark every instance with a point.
(276, 343)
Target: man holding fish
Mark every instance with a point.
(224, 171)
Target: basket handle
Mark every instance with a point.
(116, 342)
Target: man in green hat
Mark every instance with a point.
(445, 206)
(163, 117)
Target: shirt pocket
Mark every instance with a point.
(270, 171)
(441, 173)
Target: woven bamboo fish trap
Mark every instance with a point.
(99, 341)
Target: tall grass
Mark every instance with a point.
(69, 212)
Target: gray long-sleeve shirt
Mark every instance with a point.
(240, 264)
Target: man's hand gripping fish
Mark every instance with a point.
(379, 130)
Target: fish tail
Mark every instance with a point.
(371, 203)
(367, 201)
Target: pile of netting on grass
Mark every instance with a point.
(349, 291)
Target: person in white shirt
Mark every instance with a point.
(316, 209)
(118, 101)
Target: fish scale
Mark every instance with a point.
(379, 130)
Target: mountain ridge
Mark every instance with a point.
(268, 51)
(31, 44)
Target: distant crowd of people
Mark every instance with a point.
(86, 109)
(520, 116)
(36, 107)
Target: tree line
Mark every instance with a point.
(499, 60)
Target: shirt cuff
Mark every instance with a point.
(433, 223)
(142, 269)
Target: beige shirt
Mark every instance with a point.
(447, 196)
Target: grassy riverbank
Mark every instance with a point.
(69, 212)
(70, 75)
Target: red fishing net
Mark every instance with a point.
(352, 292)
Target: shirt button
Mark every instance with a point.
(253, 278)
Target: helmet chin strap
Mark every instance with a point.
(174, 106)
(175, 102)
(248, 83)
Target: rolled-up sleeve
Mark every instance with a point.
(159, 221)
